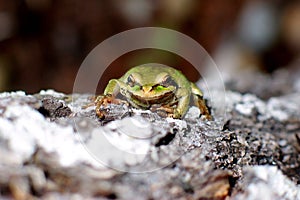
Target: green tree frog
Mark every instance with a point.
(159, 89)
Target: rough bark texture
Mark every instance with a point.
(47, 139)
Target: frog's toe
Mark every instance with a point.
(177, 115)
(206, 116)
(162, 111)
(101, 113)
(103, 105)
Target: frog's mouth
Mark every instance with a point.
(150, 100)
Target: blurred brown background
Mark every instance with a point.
(43, 42)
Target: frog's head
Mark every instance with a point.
(151, 87)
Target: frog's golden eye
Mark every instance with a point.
(168, 81)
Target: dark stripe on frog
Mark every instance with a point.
(141, 102)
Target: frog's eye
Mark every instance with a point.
(130, 81)
(168, 81)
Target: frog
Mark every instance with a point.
(161, 89)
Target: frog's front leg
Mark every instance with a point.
(175, 109)
(162, 110)
(200, 102)
(183, 101)
(109, 97)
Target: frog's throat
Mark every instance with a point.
(147, 102)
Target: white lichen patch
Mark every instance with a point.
(268, 182)
(283, 108)
(231, 99)
(115, 150)
(248, 103)
(279, 108)
(12, 94)
(245, 109)
(132, 135)
(25, 129)
(52, 93)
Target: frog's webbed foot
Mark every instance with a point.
(103, 101)
(165, 111)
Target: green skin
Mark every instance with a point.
(160, 89)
